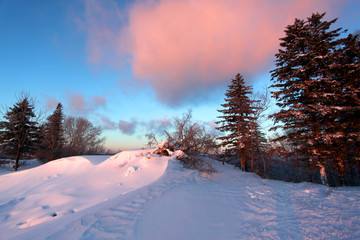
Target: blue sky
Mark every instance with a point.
(131, 66)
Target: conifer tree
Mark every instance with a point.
(343, 131)
(236, 121)
(53, 134)
(310, 80)
(19, 133)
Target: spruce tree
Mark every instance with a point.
(19, 133)
(343, 132)
(237, 119)
(309, 83)
(53, 134)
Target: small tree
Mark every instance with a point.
(237, 121)
(19, 133)
(190, 137)
(53, 135)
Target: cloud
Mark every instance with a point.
(99, 101)
(103, 22)
(128, 128)
(80, 105)
(133, 126)
(157, 126)
(107, 124)
(184, 48)
(51, 103)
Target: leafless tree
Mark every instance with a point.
(261, 102)
(151, 139)
(191, 137)
(82, 137)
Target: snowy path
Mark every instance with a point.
(236, 205)
(182, 204)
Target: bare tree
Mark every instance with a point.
(151, 139)
(191, 137)
(82, 137)
(261, 103)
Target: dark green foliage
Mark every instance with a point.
(19, 133)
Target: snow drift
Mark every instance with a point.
(140, 195)
(72, 184)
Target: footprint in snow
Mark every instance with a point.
(131, 170)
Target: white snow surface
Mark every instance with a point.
(139, 195)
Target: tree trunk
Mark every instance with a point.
(16, 165)
(223, 161)
(252, 148)
(323, 177)
(342, 170)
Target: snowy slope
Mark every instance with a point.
(134, 195)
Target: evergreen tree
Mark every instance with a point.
(53, 135)
(310, 80)
(19, 133)
(237, 119)
(344, 120)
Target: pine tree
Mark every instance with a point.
(310, 79)
(19, 133)
(236, 121)
(53, 134)
(343, 132)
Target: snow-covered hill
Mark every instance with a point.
(136, 195)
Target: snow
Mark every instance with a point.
(24, 164)
(140, 195)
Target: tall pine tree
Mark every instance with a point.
(344, 120)
(310, 79)
(237, 119)
(19, 133)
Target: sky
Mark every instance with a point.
(131, 66)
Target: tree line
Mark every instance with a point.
(23, 134)
(316, 131)
(316, 84)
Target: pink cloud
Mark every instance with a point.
(77, 102)
(107, 124)
(99, 100)
(128, 128)
(157, 126)
(51, 103)
(81, 105)
(184, 48)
